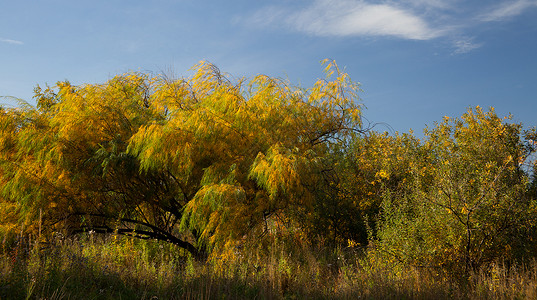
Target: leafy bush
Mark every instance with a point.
(468, 204)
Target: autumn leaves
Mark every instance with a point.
(207, 162)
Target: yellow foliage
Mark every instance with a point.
(215, 155)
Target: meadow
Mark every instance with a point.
(112, 267)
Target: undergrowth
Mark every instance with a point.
(111, 267)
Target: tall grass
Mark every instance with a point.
(92, 267)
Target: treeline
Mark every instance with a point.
(212, 164)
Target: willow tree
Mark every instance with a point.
(201, 162)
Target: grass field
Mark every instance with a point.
(120, 268)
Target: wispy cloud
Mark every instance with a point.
(465, 45)
(13, 42)
(507, 10)
(403, 19)
(350, 18)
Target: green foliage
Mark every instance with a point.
(468, 204)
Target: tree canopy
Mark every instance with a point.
(467, 201)
(209, 163)
(201, 162)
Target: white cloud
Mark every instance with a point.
(358, 18)
(404, 19)
(348, 18)
(507, 10)
(465, 45)
(14, 42)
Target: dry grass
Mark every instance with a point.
(118, 268)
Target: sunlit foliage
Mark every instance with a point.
(214, 165)
(201, 162)
(468, 203)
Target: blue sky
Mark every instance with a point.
(416, 60)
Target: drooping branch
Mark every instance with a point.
(154, 232)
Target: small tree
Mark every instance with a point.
(468, 204)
